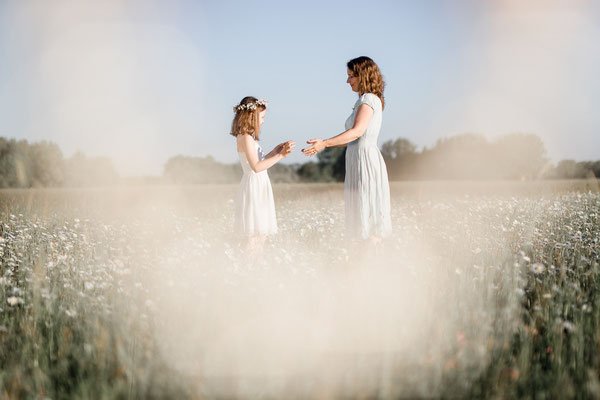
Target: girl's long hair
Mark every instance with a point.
(245, 121)
(369, 77)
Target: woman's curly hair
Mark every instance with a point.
(246, 121)
(369, 76)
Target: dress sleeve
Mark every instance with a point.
(371, 100)
(260, 153)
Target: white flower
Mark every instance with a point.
(568, 326)
(537, 268)
(71, 313)
(250, 106)
(14, 300)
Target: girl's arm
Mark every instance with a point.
(276, 150)
(257, 165)
(361, 122)
(284, 147)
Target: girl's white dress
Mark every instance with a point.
(366, 187)
(255, 208)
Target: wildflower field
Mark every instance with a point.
(484, 290)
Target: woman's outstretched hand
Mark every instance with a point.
(316, 145)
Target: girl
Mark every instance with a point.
(366, 187)
(255, 210)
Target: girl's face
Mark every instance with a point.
(352, 81)
(261, 117)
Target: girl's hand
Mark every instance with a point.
(286, 148)
(316, 146)
(276, 150)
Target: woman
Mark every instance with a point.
(366, 187)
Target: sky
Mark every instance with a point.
(141, 81)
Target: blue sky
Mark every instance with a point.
(140, 81)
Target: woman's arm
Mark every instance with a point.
(361, 122)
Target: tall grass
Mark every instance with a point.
(505, 288)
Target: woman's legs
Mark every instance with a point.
(362, 251)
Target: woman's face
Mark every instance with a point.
(261, 117)
(352, 81)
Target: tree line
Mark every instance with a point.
(461, 157)
(466, 156)
(42, 164)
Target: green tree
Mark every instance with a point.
(310, 172)
(47, 164)
(81, 170)
(462, 156)
(520, 155)
(15, 168)
(193, 170)
(400, 156)
(395, 149)
(332, 162)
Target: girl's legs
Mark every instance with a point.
(375, 243)
(375, 240)
(255, 246)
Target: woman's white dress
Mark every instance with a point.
(366, 187)
(255, 208)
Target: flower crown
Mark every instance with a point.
(250, 106)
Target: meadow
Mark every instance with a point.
(484, 290)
